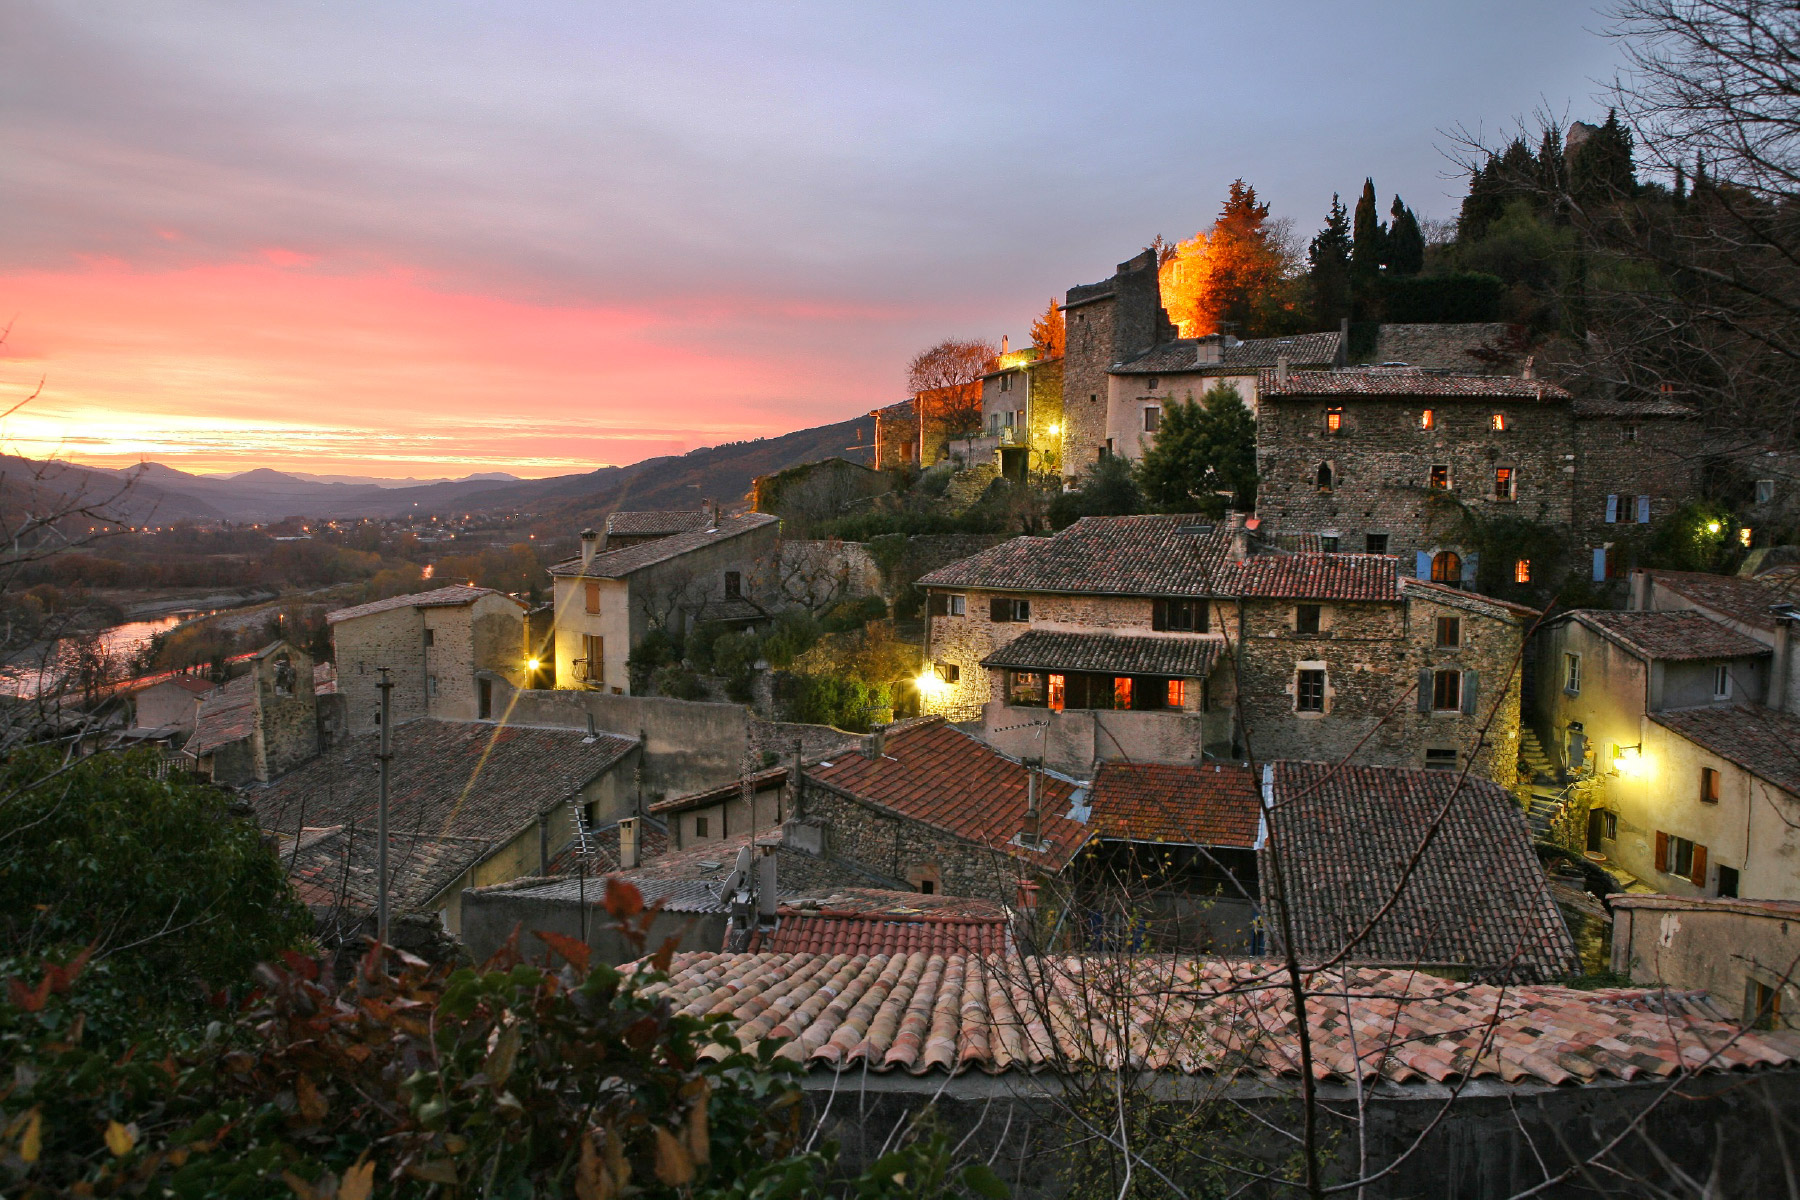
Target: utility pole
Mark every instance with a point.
(386, 757)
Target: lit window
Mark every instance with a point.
(1522, 571)
(1446, 567)
(1440, 478)
(1122, 691)
(1309, 691)
(1449, 631)
(1177, 693)
(1334, 419)
(1446, 691)
(1497, 422)
(1428, 419)
(1506, 481)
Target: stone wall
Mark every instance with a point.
(286, 731)
(1089, 330)
(394, 639)
(1717, 946)
(1630, 457)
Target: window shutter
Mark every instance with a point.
(1643, 510)
(1599, 564)
(1612, 509)
(999, 610)
(1159, 614)
(1698, 878)
(1470, 681)
(940, 604)
(1422, 564)
(1471, 563)
(1424, 691)
(1662, 851)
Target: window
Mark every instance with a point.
(927, 887)
(430, 636)
(1008, 418)
(377, 714)
(906, 452)
(1678, 856)
(484, 699)
(1762, 1005)
(593, 595)
(700, 827)
(1506, 483)
(1630, 433)
(1122, 692)
(1602, 564)
(1328, 542)
(1334, 420)
(1309, 690)
(1728, 881)
(1306, 618)
(1150, 384)
(1497, 422)
(1178, 616)
(1326, 477)
(1572, 674)
(949, 672)
(1440, 760)
(1004, 610)
(1086, 690)
(1428, 419)
(1765, 491)
(1722, 682)
(431, 685)
(1449, 631)
(1709, 786)
(1177, 697)
(1006, 383)
(1446, 691)
(1375, 543)
(1152, 417)
(1522, 571)
(734, 585)
(1446, 567)
(593, 648)
(1440, 477)
(1026, 689)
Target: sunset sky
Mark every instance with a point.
(435, 238)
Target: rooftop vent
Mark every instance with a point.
(1196, 530)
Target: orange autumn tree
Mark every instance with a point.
(1235, 276)
(1048, 332)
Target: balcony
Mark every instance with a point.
(578, 670)
(1014, 436)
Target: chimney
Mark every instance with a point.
(712, 514)
(1343, 348)
(875, 745)
(590, 545)
(1240, 536)
(1530, 368)
(1640, 590)
(1781, 666)
(1029, 834)
(768, 897)
(1281, 368)
(628, 843)
(1003, 343)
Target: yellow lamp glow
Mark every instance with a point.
(1630, 761)
(928, 682)
(1055, 429)
(1713, 527)
(532, 664)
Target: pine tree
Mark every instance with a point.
(1048, 332)
(1368, 241)
(1601, 169)
(1244, 265)
(1405, 241)
(1328, 267)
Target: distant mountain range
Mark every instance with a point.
(379, 481)
(152, 493)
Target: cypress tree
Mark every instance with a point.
(1405, 241)
(1368, 240)
(1601, 169)
(1328, 267)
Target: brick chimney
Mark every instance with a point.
(712, 514)
(875, 744)
(590, 545)
(1003, 343)
(1281, 368)
(1240, 536)
(628, 843)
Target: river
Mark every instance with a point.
(121, 642)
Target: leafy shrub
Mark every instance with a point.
(848, 615)
(836, 699)
(677, 681)
(1107, 489)
(794, 633)
(699, 646)
(658, 648)
(735, 656)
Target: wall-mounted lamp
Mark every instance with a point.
(1629, 760)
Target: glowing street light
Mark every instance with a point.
(1630, 760)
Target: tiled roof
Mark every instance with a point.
(1166, 556)
(1655, 406)
(1674, 634)
(902, 410)
(939, 776)
(1745, 600)
(465, 787)
(197, 685)
(886, 902)
(802, 931)
(603, 849)
(1763, 742)
(1194, 804)
(1394, 382)
(1444, 593)
(336, 868)
(445, 597)
(1344, 835)
(921, 1013)
(616, 564)
(226, 716)
(761, 781)
(1186, 657)
(1183, 356)
(655, 524)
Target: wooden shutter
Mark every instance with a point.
(1698, 878)
(1422, 564)
(1600, 564)
(1424, 691)
(1662, 851)
(1470, 680)
(999, 610)
(593, 596)
(940, 604)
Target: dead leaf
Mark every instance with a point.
(699, 1141)
(439, 1171)
(359, 1182)
(312, 1103)
(31, 1144)
(623, 899)
(499, 1064)
(616, 1162)
(592, 1180)
(119, 1139)
(674, 1165)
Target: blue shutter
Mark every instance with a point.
(1422, 564)
(1470, 681)
(1424, 691)
(1612, 510)
(1643, 510)
(1600, 564)
(1471, 563)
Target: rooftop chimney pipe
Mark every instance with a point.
(590, 545)
(628, 843)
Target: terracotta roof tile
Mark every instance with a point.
(655, 523)
(446, 597)
(616, 564)
(1321, 577)
(1744, 600)
(1197, 804)
(942, 777)
(1673, 634)
(1186, 657)
(1182, 356)
(951, 1013)
(833, 932)
(1396, 382)
(1763, 742)
(1343, 836)
(225, 716)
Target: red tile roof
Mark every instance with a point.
(801, 931)
(1183, 656)
(926, 1012)
(1394, 382)
(446, 597)
(1763, 742)
(1196, 804)
(942, 777)
(1674, 634)
(658, 523)
(1654, 406)
(1320, 577)
(1343, 837)
(617, 564)
(1745, 600)
(226, 716)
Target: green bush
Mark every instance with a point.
(795, 632)
(840, 700)
(658, 648)
(1107, 489)
(677, 682)
(700, 643)
(848, 615)
(734, 660)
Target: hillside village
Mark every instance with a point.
(1404, 697)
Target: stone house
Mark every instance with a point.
(264, 722)
(171, 704)
(1113, 321)
(1388, 460)
(607, 601)
(626, 528)
(470, 803)
(1021, 416)
(896, 436)
(1741, 952)
(758, 804)
(444, 650)
(1764, 607)
(1693, 784)
(805, 495)
(1133, 638)
(1140, 389)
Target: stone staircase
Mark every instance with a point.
(1538, 790)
